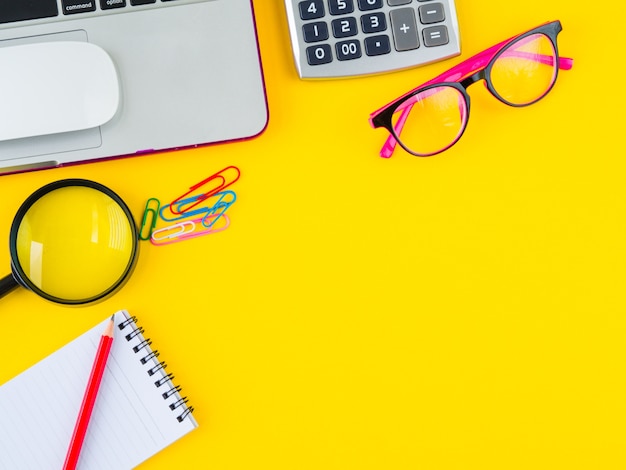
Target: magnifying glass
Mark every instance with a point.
(72, 242)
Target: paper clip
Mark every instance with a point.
(178, 205)
(167, 218)
(184, 231)
(174, 231)
(216, 212)
(207, 209)
(217, 209)
(152, 214)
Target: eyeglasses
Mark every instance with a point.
(432, 117)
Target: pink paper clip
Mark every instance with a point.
(186, 230)
(222, 179)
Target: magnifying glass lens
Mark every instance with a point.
(75, 243)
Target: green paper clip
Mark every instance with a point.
(149, 213)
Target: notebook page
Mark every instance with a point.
(131, 420)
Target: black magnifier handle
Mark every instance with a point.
(7, 284)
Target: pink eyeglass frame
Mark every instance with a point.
(464, 74)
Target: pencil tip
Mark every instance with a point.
(108, 331)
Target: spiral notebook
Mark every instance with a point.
(138, 412)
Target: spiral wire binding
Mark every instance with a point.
(135, 332)
(151, 355)
(158, 367)
(144, 344)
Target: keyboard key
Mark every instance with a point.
(19, 10)
(318, 55)
(344, 27)
(366, 5)
(404, 27)
(377, 45)
(141, 2)
(71, 7)
(314, 32)
(435, 36)
(311, 9)
(431, 13)
(108, 4)
(373, 23)
(348, 50)
(340, 7)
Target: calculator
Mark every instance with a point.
(349, 38)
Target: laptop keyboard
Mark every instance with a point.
(12, 11)
(16, 10)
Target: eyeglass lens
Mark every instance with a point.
(434, 119)
(525, 71)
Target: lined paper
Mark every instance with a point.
(131, 420)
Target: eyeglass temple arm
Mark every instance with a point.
(456, 73)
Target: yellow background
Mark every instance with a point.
(464, 311)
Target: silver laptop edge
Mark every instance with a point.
(190, 74)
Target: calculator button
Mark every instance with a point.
(348, 50)
(395, 3)
(377, 45)
(435, 36)
(431, 13)
(314, 32)
(311, 9)
(344, 27)
(404, 27)
(317, 55)
(340, 7)
(373, 23)
(366, 5)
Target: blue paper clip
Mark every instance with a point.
(207, 210)
(216, 212)
(179, 216)
(218, 208)
(150, 214)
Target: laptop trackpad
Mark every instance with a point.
(55, 143)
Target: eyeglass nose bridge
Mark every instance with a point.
(473, 78)
(482, 74)
(476, 77)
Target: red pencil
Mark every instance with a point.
(89, 399)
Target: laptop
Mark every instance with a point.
(176, 74)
